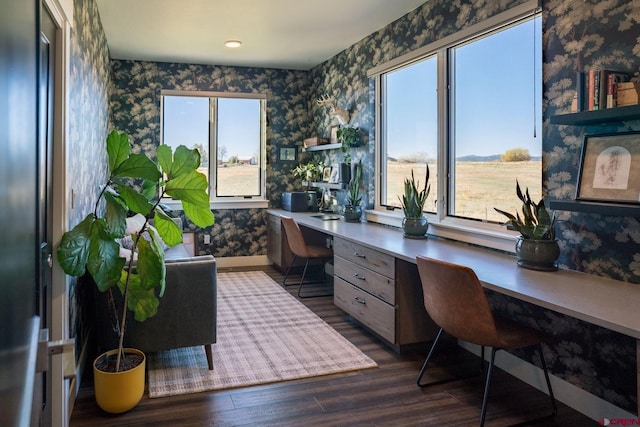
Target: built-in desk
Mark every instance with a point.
(609, 303)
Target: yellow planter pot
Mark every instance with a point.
(118, 392)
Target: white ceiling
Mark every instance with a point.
(291, 34)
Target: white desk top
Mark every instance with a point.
(609, 303)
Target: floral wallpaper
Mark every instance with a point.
(135, 109)
(577, 35)
(88, 119)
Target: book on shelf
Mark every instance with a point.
(597, 89)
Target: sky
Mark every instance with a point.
(186, 121)
(493, 76)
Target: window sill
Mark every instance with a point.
(235, 204)
(482, 234)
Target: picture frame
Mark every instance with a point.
(333, 134)
(607, 172)
(335, 175)
(326, 174)
(288, 154)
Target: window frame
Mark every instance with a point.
(225, 202)
(477, 232)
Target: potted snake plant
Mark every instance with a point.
(537, 247)
(135, 184)
(352, 209)
(415, 224)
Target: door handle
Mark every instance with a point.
(359, 255)
(48, 348)
(357, 276)
(359, 301)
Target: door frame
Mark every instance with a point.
(62, 391)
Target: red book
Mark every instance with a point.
(590, 87)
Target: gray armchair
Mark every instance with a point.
(187, 312)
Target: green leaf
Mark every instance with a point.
(150, 189)
(118, 149)
(115, 214)
(142, 302)
(169, 231)
(201, 217)
(138, 166)
(165, 158)
(104, 262)
(150, 264)
(190, 187)
(185, 161)
(136, 201)
(74, 248)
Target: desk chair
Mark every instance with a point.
(300, 249)
(455, 300)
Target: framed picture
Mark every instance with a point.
(288, 154)
(333, 134)
(326, 174)
(334, 178)
(609, 168)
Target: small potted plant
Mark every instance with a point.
(352, 209)
(308, 172)
(349, 137)
(135, 184)
(415, 224)
(537, 247)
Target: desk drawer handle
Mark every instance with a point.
(359, 301)
(359, 255)
(357, 276)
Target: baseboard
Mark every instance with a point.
(242, 261)
(582, 401)
(74, 383)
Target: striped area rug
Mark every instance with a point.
(265, 335)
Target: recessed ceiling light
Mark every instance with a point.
(233, 43)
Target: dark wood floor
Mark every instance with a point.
(384, 396)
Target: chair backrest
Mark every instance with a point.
(295, 238)
(455, 300)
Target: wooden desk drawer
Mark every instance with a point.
(361, 255)
(368, 280)
(367, 309)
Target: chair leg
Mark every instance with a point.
(209, 352)
(304, 272)
(546, 377)
(485, 398)
(284, 281)
(426, 361)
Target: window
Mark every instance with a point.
(410, 130)
(469, 106)
(229, 131)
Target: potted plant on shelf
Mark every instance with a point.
(352, 209)
(308, 172)
(349, 137)
(135, 184)
(537, 247)
(415, 224)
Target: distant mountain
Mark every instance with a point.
(473, 158)
(493, 158)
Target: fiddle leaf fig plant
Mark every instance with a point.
(536, 222)
(135, 184)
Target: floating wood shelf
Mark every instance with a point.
(609, 209)
(321, 147)
(330, 186)
(608, 115)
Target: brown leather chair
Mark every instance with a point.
(455, 300)
(301, 249)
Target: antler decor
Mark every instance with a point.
(339, 113)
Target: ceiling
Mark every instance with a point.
(290, 34)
